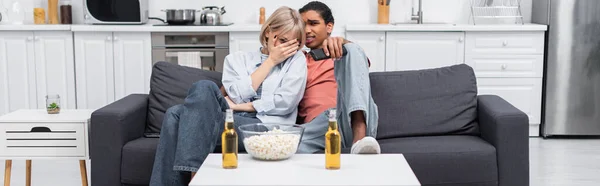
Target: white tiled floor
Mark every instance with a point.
(554, 162)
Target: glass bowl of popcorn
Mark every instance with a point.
(266, 141)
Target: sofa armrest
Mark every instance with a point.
(506, 128)
(111, 128)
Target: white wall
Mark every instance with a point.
(345, 11)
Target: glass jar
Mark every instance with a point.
(53, 104)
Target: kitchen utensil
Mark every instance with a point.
(53, 12)
(493, 10)
(179, 16)
(211, 15)
(387, 3)
(383, 13)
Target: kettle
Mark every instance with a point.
(209, 16)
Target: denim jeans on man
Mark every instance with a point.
(354, 94)
(190, 132)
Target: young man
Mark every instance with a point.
(340, 82)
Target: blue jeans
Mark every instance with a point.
(190, 131)
(354, 94)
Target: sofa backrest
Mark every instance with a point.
(169, 86)
(441, 101)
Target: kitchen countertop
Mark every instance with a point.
(257, 27)
(151, 28)
(32, 27)
(445, 27)
(129, 28)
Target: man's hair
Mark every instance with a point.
(320, 8)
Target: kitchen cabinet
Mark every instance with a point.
(373, 44)
(510, 65)
(423, 50)
(111, 66)
(523, 93)
(132, 63)
(243, 41)
(34, 64)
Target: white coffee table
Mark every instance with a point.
(35, 134)
(308, 170)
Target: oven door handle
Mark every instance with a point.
(189, 46)
(185, 50)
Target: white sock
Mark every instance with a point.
(367, 145)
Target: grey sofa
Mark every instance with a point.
(449, 135)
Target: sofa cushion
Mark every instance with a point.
(447, 160)
(441, 101)
(169, 86)
(137, 161)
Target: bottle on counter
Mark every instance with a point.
(229, 140)
(66, 16)
(53, 12)
(333, 143)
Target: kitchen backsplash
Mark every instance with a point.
(345, 11)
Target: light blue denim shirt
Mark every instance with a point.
(281, 91)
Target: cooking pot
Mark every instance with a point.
(211, 15)
(179, 16)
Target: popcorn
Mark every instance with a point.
(272, 146)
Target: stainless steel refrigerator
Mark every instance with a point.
(572, 76)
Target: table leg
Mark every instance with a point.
(7, 167)
(83, 169)
(28, 173)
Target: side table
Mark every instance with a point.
(35, 134)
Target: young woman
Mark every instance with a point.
(261, 86)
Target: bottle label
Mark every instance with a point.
(332, 115)
(229, 116)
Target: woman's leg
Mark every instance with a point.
(162, 172)
(200, 126)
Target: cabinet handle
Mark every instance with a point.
(115, 39)
(505, 43)
(460, 39)
(37, 38)
(504, 66)
(29, 38)
(232, 39)
(381, 38)
(108, 38)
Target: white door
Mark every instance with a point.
(55, 67)
(423, 50)
(17, 72)
(133, 63)
(243, 41)
(523, 93)
(94, 69)
(373, 43)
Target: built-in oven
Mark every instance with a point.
(203, 50)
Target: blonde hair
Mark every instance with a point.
(284, 19)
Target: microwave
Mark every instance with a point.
(115, 12)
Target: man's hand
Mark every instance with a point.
(333, 46)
